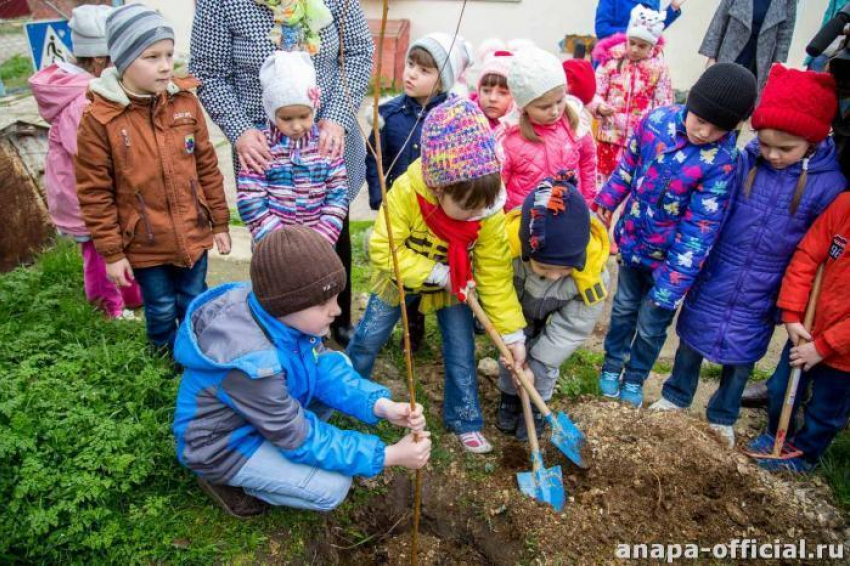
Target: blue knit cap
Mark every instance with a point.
(555, 224)
(130, 30)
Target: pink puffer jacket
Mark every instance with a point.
(61, 96)
(527, 163)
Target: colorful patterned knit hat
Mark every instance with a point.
(457, 144)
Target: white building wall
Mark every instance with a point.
(544, 21)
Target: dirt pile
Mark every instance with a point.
(654, 478)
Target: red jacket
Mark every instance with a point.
(828, 240)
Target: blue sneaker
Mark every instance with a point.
(762, 444)
(632, 394)
(795, 465)
(609, 383)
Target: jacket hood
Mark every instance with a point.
(221, 332)
(55, 87)
(615, 46)
(824, 158)
(108, 87)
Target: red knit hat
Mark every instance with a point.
(581, 80)
(802, 103)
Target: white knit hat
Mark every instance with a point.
(288, 78)
(533, 73)
(451, 64)
(646, 24)
(88, 30)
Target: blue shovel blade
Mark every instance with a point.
(544, 485)
(567, 437)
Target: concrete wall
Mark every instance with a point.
(547, 21)
(544, 21)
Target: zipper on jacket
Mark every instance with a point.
(144, 213)
(126, 136)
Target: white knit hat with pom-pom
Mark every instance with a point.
(534, 72)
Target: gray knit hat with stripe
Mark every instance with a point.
(130, 30)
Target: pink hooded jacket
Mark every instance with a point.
(527, 163)
(61, 96)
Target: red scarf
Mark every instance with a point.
(461, 235)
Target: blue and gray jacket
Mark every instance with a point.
(249, 378)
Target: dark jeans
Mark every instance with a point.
(725, 404)
(638, 327)
(168, 290)
(343, 250)
(826, 412)
(461, 408)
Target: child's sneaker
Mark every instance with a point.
(539, 426)
(510, 410)
(234, 500)
(664, 405)
(609, 383)
(127, 314)
(762, 444)
(475, 442)
(725, 432)
(632, 394)
(795, 465)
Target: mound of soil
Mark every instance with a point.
(653, 478)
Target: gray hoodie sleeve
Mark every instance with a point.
(268, 406)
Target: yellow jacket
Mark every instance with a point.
(419, 250)
(589, 280)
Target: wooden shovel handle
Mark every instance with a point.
(482, 317)
(532, 431)
(793, 382)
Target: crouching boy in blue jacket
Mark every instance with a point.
(259, 384)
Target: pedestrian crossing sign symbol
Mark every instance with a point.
(50, 42)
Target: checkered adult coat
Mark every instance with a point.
(229, 44)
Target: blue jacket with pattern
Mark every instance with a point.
(249, 378)
(676, 195)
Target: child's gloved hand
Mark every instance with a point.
(805, 356)
(797, 332)
(409, 452)
(120, 272)
(222, 242)
(400, 414)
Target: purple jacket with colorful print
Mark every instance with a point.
(676, 195)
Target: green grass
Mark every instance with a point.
(835, 469)
(88, 472)
(15, 72)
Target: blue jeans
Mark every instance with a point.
(168, 290)
(267, 475)
(638, 327)
(461, 410)
(826, 412)
(725, 405)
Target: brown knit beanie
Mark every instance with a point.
(294, 269)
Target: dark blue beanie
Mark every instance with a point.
(555, 224)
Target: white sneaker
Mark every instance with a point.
(664, 405)
(127, 314)
(475, 442)
(725, 432)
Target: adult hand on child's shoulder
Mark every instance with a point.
(411, 452)
(252, 149)
(120, 272)
(331, 139)
(222, 242)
